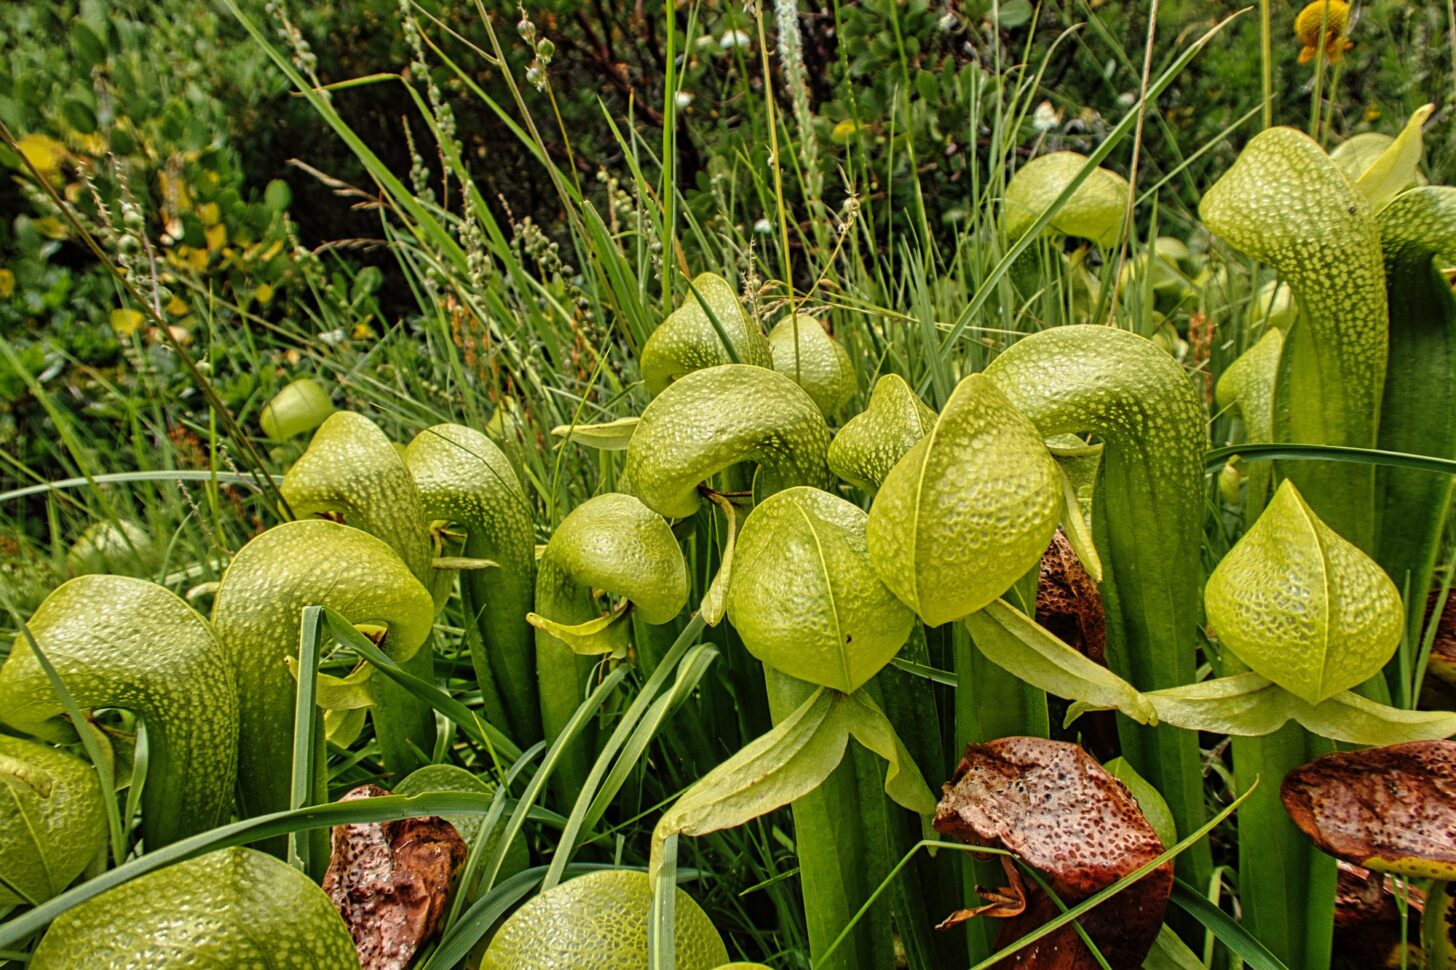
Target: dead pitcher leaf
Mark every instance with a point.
(390, 881)
(1067, 602)
(1440, 682)
(1390, 809)
(1061, 813)
(1368, 921)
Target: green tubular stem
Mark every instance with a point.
(909, 702)
(1285, 203)
(1438, 927)
(1248, 384)
(130, 644)
(352, 469)
(256, 614)
(615, 544)
(1147, 522)
(836, 882)
(1286, 885)
(714, 418)
(1418, 414)
(468, 482)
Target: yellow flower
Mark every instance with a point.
(43, 152)
(1334, 16)
(264, 293)
(93, 144)
(216, 236)
(7, 284)
(50, 227)
(177, 306)
(126, 322)
(362, 331)
(210, 213)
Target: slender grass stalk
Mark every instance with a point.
(775, 160)
(309, 784)
(1128, 230)
(1316, 99)
(1266, 60)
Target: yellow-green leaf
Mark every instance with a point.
(1094, 211)
(607, 436)
(1301, 605)
(804, 596)
(603, 635)
(968, 510)
(1395, 169)
(690, 338)
(871, 442)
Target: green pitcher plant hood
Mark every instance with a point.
(599, 921)
(805, 352)
(256, 613)
(468, 484)
(804, 596)
(615, 545)
(52, 821)
(968, 510)
(131, 644)
(1248, 385)
(1147, 519)
(1244, 705)
(231, 908)
(1301, 605)
(1139, 401)
(692, 336)
(123, 547)
(351, 469)
(715, 418)
(871, 442)
(1285, 203)
(1124, 389)
(1095, 210)
(298, 408)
